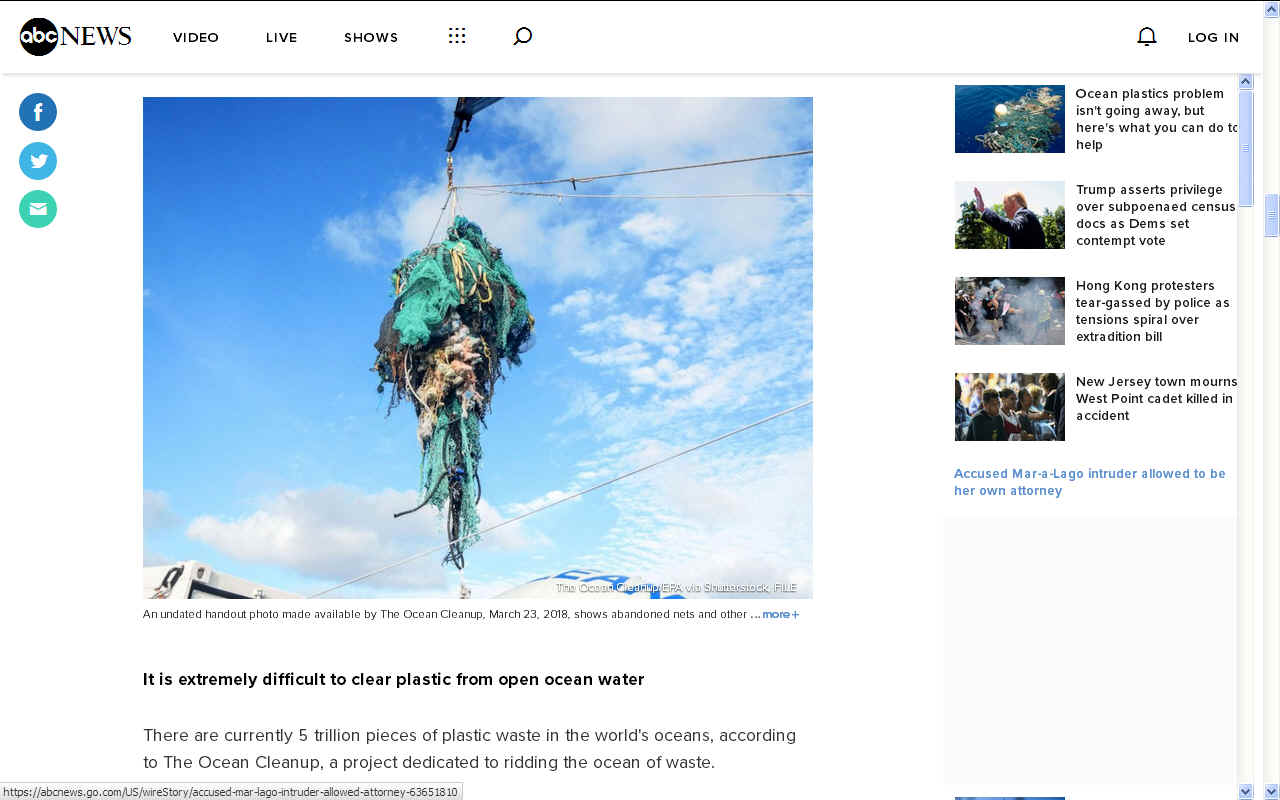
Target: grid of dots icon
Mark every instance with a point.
(458, 35)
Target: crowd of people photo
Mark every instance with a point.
(1010, 311)
(1010, 407)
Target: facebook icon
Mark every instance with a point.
(38, 111)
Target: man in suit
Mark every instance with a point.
(1019, 223)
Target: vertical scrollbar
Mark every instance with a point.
(1246, 141)
(1269, 99)
(1246, 558)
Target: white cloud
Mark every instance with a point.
(604, 134)
(354, 236)
(707, 293)
(726, 517)
(151, 558)
(157, 514)
(511, 537)
(581, 302)
(574, 239)
(553, 496)
(539, 238)
(587, 136)
(586, 402)
(660, 286)
(630, 353)
(339, 532)
(670, 377)
(649, 330)
(644, 375)
(756, 356)
(651, 228)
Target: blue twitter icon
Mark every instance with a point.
(38, 161)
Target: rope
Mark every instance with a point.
(576, 181)
(458, 256)
(649, 196)
(167, 583)
(419, 506)
(443, 206)
(451, 194)
(408, 369)
(566, 499)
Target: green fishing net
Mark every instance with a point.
(458, 317)
(453, 444)
(1025, 125)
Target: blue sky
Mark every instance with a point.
(270, 228)
(1040, 194)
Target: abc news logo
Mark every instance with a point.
(39, 36)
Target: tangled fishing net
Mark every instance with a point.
(459, 315)
(1025, 125)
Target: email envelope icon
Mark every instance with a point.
(38, 209)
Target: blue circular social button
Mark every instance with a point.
(37, 161)
(38, 111)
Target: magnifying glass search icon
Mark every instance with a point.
(523, 36)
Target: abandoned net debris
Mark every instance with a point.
(458, 316)
(1025, 125)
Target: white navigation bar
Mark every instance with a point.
(494, 38)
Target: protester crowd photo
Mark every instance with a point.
(1010, 407)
